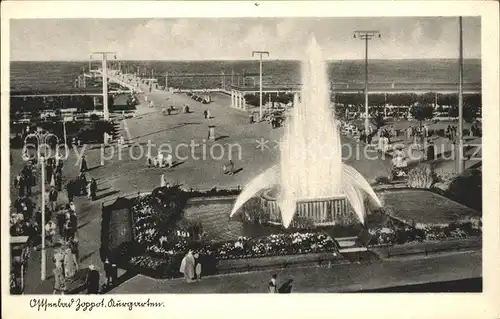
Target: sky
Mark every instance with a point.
(235, 38)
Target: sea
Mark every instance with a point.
(59, 76)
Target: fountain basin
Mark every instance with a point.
(329, 211)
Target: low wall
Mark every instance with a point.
(425, 248)
(260, 263)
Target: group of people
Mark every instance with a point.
(82, 186)
(160, 160)
(66, 264)
(25, 180)
(191, 267)
(168, 110)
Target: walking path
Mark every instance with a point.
(339, 278)
(125, 172)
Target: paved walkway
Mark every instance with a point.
(339, 278)
(126, 172)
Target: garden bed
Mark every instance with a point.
(419, 206)
(260, 263)
(416, 248)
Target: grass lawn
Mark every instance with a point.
(423, 206)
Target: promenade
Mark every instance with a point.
(126, 172)
(339, 278)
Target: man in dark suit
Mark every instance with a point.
(92, 280)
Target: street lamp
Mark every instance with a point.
(366, 35)
(104, 60)
(460, 99)
(41, 139)
(260, 53)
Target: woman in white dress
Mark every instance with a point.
(70, 264)
(187, 266)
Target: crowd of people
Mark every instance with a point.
(61, 225)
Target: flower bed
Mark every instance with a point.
(388, 236)
(163, 258)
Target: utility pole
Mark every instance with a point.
(460, 99)
(366, 35)
(260, 53)
(104, 60)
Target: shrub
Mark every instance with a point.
(421, 176)
(466, 189)
(381, 180)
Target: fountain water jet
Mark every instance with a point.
(312, 178)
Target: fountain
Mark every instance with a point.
(311, 181)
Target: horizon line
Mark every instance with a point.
(236, 59)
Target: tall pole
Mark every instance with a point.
(43, 270)
(260, 53)
(366, 35)
(166, 80)
(65, 135)
(105, 87)
(104, 60)
(460, 99)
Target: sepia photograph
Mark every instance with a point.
(245, 155)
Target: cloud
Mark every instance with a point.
(231, 38)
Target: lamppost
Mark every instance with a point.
(366, 35)
(41, 139)
(260, 53)
(104, 60)
(460, 98)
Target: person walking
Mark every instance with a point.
(169, 160)
(93, 189)
(107, 272)
(22, 186)
(70, 190)
(89, 188)
(53, 199)
(49, 169)
(75, 251)
(59, 280)
(73, 225)
(83, 165)
(61, 221)
(58, 179)
(187, 267)
(272, 285)
(50, 232)
(92, 280)
(70, 265)
(197, 268)
(160, 160)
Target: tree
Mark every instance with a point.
(467, 189)
(422, 112)
(379, 121)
